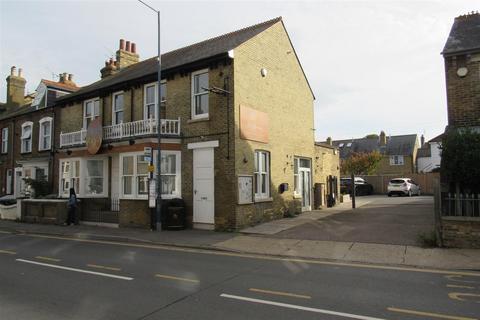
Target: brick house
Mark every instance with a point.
(399, 152)
(27, 142)
(462, 72)
(237, 133)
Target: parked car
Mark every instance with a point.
(362, 188)
(403, 187)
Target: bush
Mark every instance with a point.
(461, 158)
(363, 163)
(41, 187)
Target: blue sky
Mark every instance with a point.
(373, 65)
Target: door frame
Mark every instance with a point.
(301, 182)
(203, 145)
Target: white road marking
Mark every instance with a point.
(293, 306)
(75, 269)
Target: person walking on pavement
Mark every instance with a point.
(72, 206)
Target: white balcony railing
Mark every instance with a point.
(124, 130)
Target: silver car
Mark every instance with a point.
(403, 187)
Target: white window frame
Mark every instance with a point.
(155, 95)
(29, 139)
(397, 160)
(135, 175)
(5, 140)
(82, 187)
(42, 136)
(296, 176)
(96, 112)
(258, 173)
(193, 94)
(114, 112)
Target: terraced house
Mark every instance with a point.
(237, 133)
(26, 130)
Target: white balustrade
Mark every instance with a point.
(125, 130)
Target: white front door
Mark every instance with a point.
(203, 186)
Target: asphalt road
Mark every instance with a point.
(53, 278)
(384, 220)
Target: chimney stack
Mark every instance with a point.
(383, 138)
(126, 54)
(422, 141)
(15, 89)
(329, 140)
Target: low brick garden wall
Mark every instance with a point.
(461, 232)
(45, 211)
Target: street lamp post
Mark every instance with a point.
(157, 221)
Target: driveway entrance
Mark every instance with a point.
(396, 220)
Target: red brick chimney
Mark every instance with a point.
(127, 54)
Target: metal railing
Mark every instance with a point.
(168, 127)
(461, 205)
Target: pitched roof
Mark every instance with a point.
(396, 145)
(60, 86)
(464, 35)
(437, 138)
(189, 54)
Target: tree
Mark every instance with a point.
(460, 164)
(363, 163)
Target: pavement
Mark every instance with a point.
(373, 233)
(52, 278)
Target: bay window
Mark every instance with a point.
(45, 134)
(26, 138)
(262, 174)
(134, 175)
(200, 94)
(91, 111)
(87, 176)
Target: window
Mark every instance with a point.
(8, 182)
(134, 175)
(4, 140)
(69, 176)
(26, 137)
(262, 174)
(341, 145)
(94, 177)
(117, 108)
(91, 110)
(40, 174)
(396, 160)
(349, 144)
(45, 136)
(200, 94)
(150, 99)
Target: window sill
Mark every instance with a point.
(198, 119)
(257, 200)
(26, 152)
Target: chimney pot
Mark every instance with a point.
(12, 70)
(20, 70)
(134, 47)
(122, 44)
(329, 140)
(127, 48)
(70, 77)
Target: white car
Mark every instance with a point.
(403, 187)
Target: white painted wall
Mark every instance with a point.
(432, 162)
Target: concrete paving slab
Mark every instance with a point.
(375, 253)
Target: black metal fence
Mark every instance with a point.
(460, 205)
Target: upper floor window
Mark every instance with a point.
(117, 108)
(200, 94)
(150, 99)
(396, 160)
(91, 110)
(4, 140)
(26, 137)
(262, 174)
(45, 136)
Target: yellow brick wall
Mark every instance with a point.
(286, 97)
